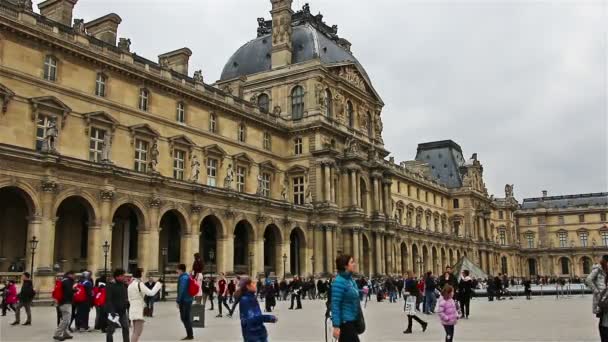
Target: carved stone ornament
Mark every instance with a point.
(25, 4)
(198, 76)
(78, 26)
(261, 218)
(352, 76)
(49, 186)
(155, 202)
(106, 195)
(229, 213)
(263, 29)
(276, 111)
(196, 209)
(124, 44)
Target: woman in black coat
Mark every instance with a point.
(270, 296)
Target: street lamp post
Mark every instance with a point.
(163, 252)
(312, 260)
(33, 245)
(284, 262)
(106, 250)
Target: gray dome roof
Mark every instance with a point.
(307, 42)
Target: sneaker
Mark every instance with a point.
(218, 316)
(424, 325)
(58, 338)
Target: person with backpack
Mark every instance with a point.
(596, 280)
(184, 300)
(116, 306)
(346, 314)
(63, 294)
(26, 296)
(4, 291)
(83, 299)
(137, 292)
(99, 300)
(252, 319)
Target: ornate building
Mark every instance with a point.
(278, 167)
(562, 235)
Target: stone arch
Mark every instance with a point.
(139, 210)
(435, 261)
(211, 230)
(17, 210)
(273, 240)
(89, 201)
(26, 192)
(128, 219)
(417, 259)
(444, 259)
(243, 246)
(364, 198)
(366, 256)
(75, 215)
(297, 250)
(564, 265)
(404, 257)
(183, 216)
(532, 264)
(425, 258)
(504, 264)
(221, 224)
(173, 225)
(585, 263)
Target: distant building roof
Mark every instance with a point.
(567, 201)
(445, 158)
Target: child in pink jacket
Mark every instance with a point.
(448, 312)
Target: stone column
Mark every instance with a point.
(329, 250)
(319, 252)
(387, 254)
(353, 187)
(258, 256)
(46, 248)
(344, 188)
(152, 245)
(327, 182)
(225, 259)
(378, 253)
(387, 200)
(332, 186)
(376, 201)
(358, 190)
(356, 254)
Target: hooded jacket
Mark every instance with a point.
(252, 319)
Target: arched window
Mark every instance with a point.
(100, 85)
(586, 265)
(329, 103)
(565, 263)
(297, 103)
(144, 98)
(263, 102)
(350, 115)
(50, 68)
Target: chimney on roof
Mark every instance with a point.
(104, 28)
(281, 33)
(58, 10)
(544, 193)
(176, 60)
(474, 156)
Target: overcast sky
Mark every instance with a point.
(522, 84)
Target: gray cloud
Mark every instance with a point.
(523, 84)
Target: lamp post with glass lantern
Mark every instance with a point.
(33, 245)
(163, 252)
(106, 250)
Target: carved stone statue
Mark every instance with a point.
(124, 44)
(363, 121)
(229, 177)
(164, 63)
(325, 142)
(284, 192)
(25, 4)
(339, 100)
(508, 190)
(79, 26)
(378, 126)
(418, 220)
(106, 146)
(195, 167)
(308, 195)
(276, 111)
(259, 189)
(50, 140)
(320, 94)
(154, 158)
(263, 29)
(351, 145)
(198, 76)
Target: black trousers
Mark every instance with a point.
(411, 318)
(449, 333)
(184, 315)
(124, 326)
(348, 332)
(221, 300)
(236, 302)
(82, 315)
(295, 297)
(465, 305)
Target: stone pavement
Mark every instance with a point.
(541, 319)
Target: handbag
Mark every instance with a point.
(360, 322)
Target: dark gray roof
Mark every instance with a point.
(567, 201)
(307, 42)
(445, 159)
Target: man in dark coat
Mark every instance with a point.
(117, 301)
(26, 296)
(295, 288)
(448, 278)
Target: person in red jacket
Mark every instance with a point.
(11, 294)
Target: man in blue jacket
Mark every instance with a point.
(184, 300)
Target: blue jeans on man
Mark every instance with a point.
(429, 300)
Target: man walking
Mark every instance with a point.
(429, 293)
(64, 305)
(26, 296)
(222, 295)
(117, 301)
(184, 300)
(296, 287)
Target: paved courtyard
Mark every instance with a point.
(541, 319)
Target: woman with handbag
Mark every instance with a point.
(137, 291)
(346, 315)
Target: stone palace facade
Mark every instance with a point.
(277, 167)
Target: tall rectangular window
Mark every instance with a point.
(96, 144)
(604, 239)
(181, 112)
(456, 203)
(298, 190)
(297, 145)
(409, 190)
(529, 220)
(267, 141)
(584, 239)
(242, 133)
(530, 239)
(41, 126)
(144, 98)
(100, 85)
(213, 123)
(563, 239)
(50, 68)
(426, 196)
(266, 184)
(541, 220)
(240, 178)
(141, 155)
(179, 158)
(211, 172)
(502, 236)
(501, 215)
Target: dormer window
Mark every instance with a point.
(263, 103)
(297, 103)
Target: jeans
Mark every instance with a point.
(465, 304)
(297, 298)
(221, 300)
(149, 301)
(184, 313)
(66, 318)
(429, 298)
(348, 332)
(28, 312)
(124, 326)
(449, 333)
